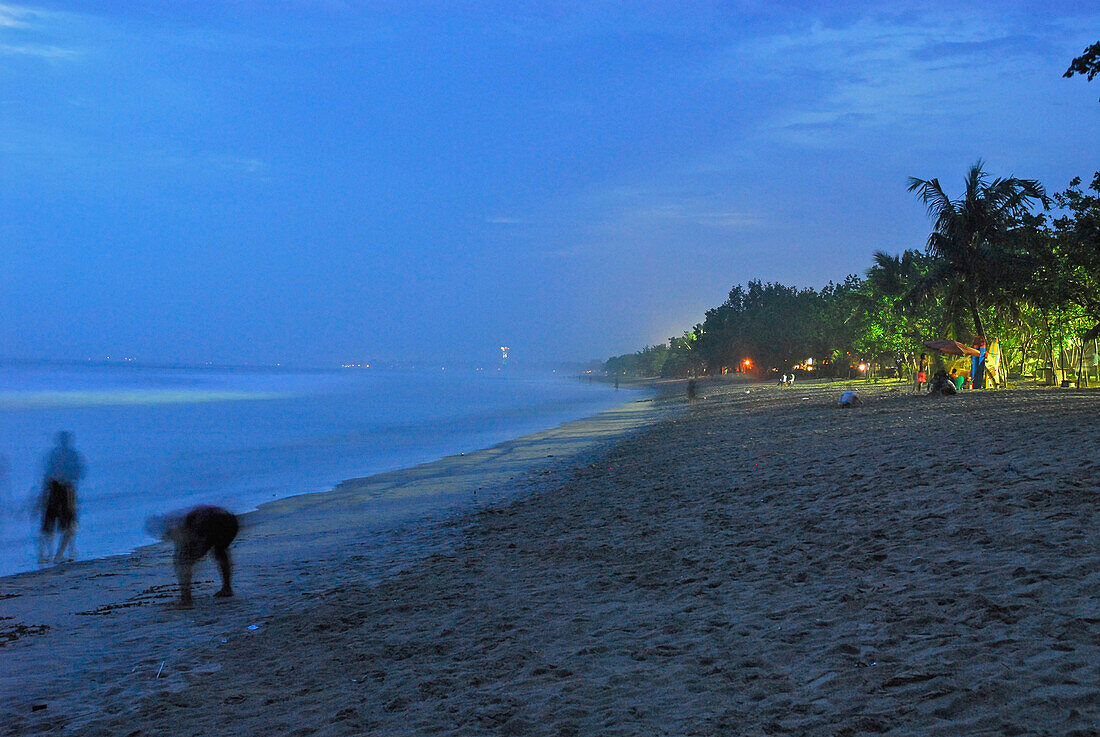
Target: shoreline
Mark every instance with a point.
(283, 557)
(242, 468)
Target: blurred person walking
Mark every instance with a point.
(7, 504)
(63, 469)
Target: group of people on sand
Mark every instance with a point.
(942, 383)
(194, 532)
(787, 380)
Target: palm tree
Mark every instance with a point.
(977, 260)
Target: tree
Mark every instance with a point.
(891, 323)
(1078, 239)
(976, 259)
(683, 359)
(1087, 63)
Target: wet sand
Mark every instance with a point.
(763, 563)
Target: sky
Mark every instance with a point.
(316, 182)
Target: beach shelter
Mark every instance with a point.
(951, 347)
(993, 374)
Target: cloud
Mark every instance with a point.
(993, 49)
(685, 213)
(827, 122)
(22, 29)
(42, 52)
(831, 85)
(566, 252)
(242, 165)
(12, 16)
(642, 208)
(505, 221)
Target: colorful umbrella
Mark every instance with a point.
(954, 347)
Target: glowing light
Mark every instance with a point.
(863, 367)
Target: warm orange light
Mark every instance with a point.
(863, 367)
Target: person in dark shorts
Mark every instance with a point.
(195, 532)
(63, 469)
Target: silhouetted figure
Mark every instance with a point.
(5, 486)
(63, 470)
(941, 385)
(922, 372)
(195, 531)
(691, 390)
(977, 366)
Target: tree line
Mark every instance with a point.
(1004, 260)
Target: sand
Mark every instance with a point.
(762, 563)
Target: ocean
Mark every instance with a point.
(159, 439)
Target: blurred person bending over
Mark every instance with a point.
(195, 531)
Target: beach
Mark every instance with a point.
(760, 562)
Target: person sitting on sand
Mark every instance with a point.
(850, 399)
(958, 379)
(194, 532)
(941, 385)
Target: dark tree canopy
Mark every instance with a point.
(1087, 63)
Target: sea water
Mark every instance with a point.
(160, 439)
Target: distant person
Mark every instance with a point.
(790, 379)
(616, 383)
(977, 366)
(783, 380)
(941, 385)
(195, 531)
(63, 470)
(850, 399)
(691, 391)
(6, 500)
(922, 372)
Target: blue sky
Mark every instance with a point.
(317, 181)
